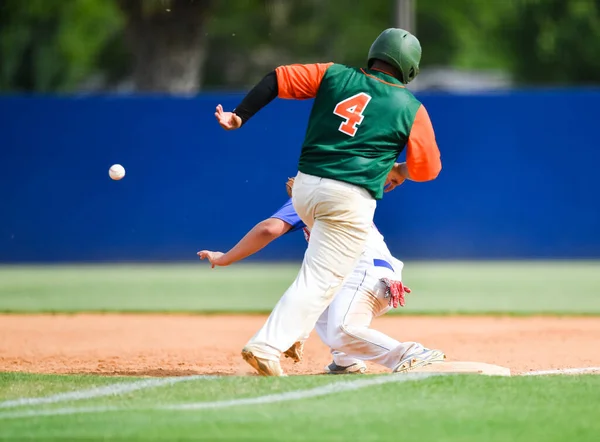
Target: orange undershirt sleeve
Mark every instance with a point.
(422, 156)
(300, 81)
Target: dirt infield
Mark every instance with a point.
(173, 345)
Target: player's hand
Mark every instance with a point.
(227, 120)
(215, 258)
(394, 178)
(395, 290)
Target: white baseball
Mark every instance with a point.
(116, 172)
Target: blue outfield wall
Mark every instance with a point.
(520, 178)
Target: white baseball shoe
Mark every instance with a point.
(356, 368)
(265, 367)
(419, 358)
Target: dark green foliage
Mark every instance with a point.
(55, 45)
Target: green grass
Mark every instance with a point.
(553, 287)
(452, 408)
(456, 408)
(17, 385)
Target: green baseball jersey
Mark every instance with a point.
(360, 122)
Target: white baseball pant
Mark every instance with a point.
(345, 325)
(339, 216)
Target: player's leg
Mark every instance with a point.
(342, 363)
(350, 317)
(342, 216)
(299, 308)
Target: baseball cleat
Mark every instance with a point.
(296, 351)
(419, 359)
(356, 368)
(265, 367)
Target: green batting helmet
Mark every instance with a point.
(400, 49)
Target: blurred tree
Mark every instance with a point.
(460, 33)
(168, 43)
(175, 46)
(52, 45)
(453, 33)
(248, 38)
(552, 41)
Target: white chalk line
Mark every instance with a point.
(562, 371)
(108, 390)
(58, 412)
(337, 387)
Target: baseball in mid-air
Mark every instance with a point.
(116, 172)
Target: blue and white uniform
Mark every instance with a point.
(345, 325)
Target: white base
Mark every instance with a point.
(464, 368)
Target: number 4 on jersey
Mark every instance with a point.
(351, 110)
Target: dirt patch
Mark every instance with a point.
(174, 345)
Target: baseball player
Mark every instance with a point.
(361, 119)
(373, 288)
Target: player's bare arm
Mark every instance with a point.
(256, 239)
(298, 81)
